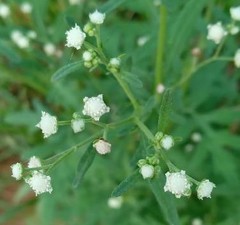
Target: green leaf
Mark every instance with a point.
(132, 80)
(126, 184)
(165, 200)
(70, 21)
(83, 165)
(110, 5)
(66, 70)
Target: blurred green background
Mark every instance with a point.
(208, 104)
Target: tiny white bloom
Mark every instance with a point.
(196, 52)
(204, 189)
(189, 147)
(75, 37)
(34, 162)
(95, 107)
(4, 10)
(147, 171)
(216, 32)
(75, 2)
(15, 35)
(160, 88)
(237, 58)
(157, 2)
(197, 221)
(26, 7)
(102, 147)
(48, 124)
(115, 202)
(87, 56)
(49, 49)
(142, 40)
(23, 42)
(77, 125)
(17, 171)
(97, 17)
(40, 183)
(196, 137)
(32, 34)
(234, 30)
(167, 142)
(235, 13)
(115, 62)
(178, 184)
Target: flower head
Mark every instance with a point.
(167, 142)
(237, 58)
(49, 48)
(34, 162)
(87, 56)
(196, 137)
(204, 189)
(147, 171)
(95, 107)
(40, 183)
(235, 13)
(17, 171)
(97, 17)
(48, 124)
(216, 32)
(102, 147)
(160, 88)
(75, 37)
(77, 125)
(26, 7)
(115, 202)
(178, 184)
(4, 10)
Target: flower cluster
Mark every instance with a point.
(165, 141)
(149, 167)
(36, 179)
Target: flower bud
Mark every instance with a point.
(147, 171)
(102, 147)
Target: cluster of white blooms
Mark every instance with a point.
(26, 7)
(102, 147)
(114, 65)
(48, 124)
(77, 125)
(34, 162)
(19, 39)
(90, 59)
(204, 189)
(4, 10)
(177, 183)
(95, 107)
(17, 171)
(147, 171)
(75, 37)
(216, 32)
(115, 202)
(167, 142)
(237, 58)
(97, 17)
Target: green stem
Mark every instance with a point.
(62, 123)
(144, 129)
(120, 123)
(160, 46)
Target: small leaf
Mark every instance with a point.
(83, 165)
(126, 184)
(70, 21)
(110, 5)
(165, 200)
(66, 70)
(132, 80)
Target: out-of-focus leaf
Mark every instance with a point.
(132, 80)
(8, 52)
(66, 70)
(110, 5)
(84, 163)
(126, 184)
(165, 200)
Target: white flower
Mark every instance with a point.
(197, 221)
(87, 56)
(75, 2)
(188, 147)
(160, 88)
(77, 125)
(97, 17)
(32, 34)
(34, 162)
(115, 202)
(233, 30)
(178, 184)
(115, 62)
(147, 171)
(26, 7)
(40, 183)
(17, 171)
(48, 124)
(196, 137)
(157, 2)
(4, 10)
(142, 40)
(235, 13)
(102, 147)
(75, 37)
(23, 42)
(49, 48)
(216, 32)
(204, 189)
(237, 58)
(167, 142)
(95, 107)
